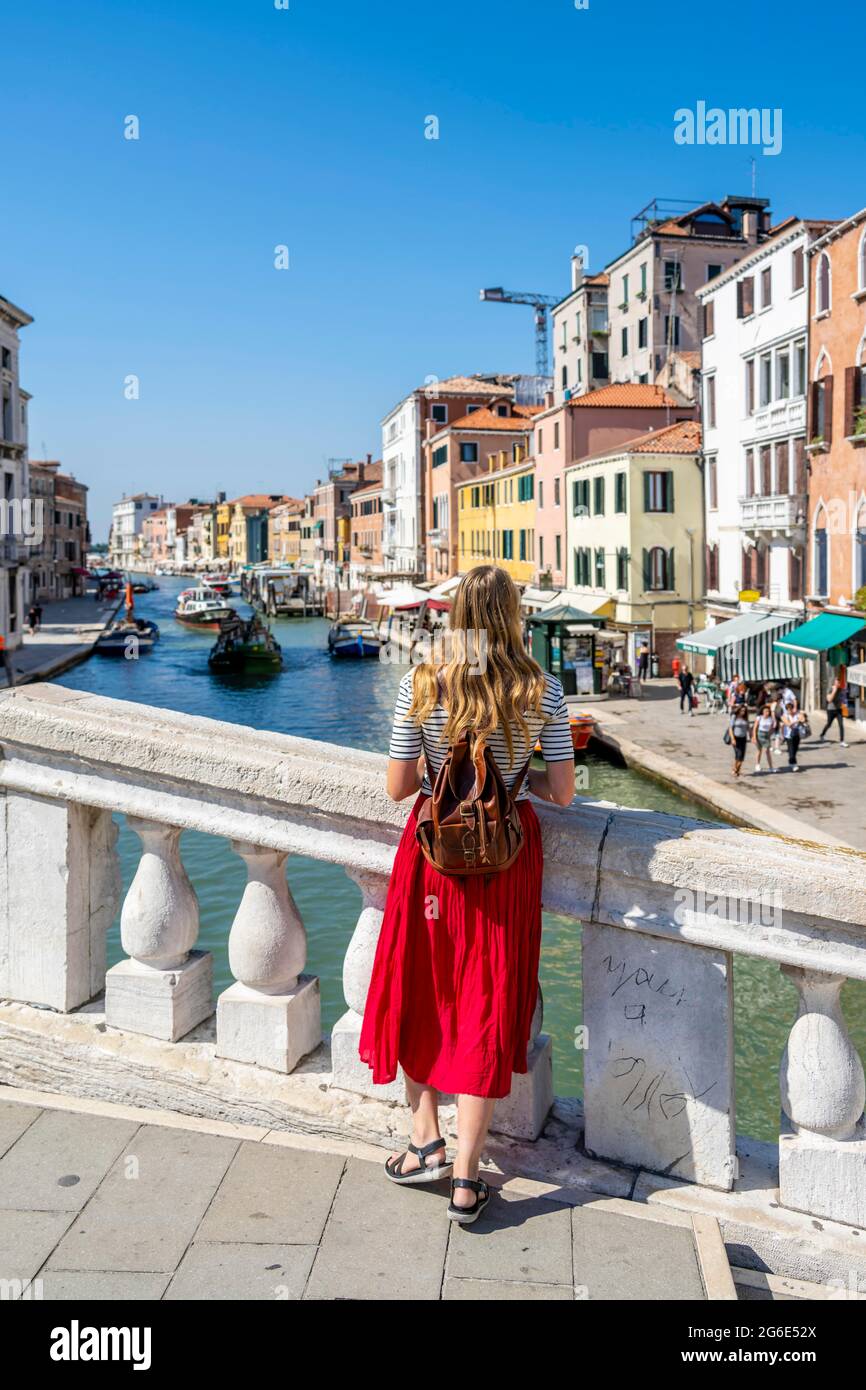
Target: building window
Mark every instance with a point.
(712, 567)
(709, 314)
(749, 490)
(783, 469)
(622, 569)
(672, 330)
(599, 366)
(556, 435)
(712, 484)
(598, 320)
(468, 453)
(658, 491)
(540, 494)
(558, 548)
(580, 497)
(598, 496)
(599, 569)
(508, 545)
(439, 413)
(643, 280)
(821, 562)
(711, 401)
(750, 386)
(624, 342)
(673, 276)
(565, 378)
(745, 297)
(800, 368)
(822, 284)
(540, 445)
(783, 375)
(556, 492)
(658, 568)
(619, 493)
(713, 271)
(766, 471)
(766, 379)
(624, 304)
(642, 334)
(526, 487)
(766, 287)
(798, 269)
(582, 557)
(822, 410)
(440, 455)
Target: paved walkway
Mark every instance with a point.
(69, 629)
(109, 1205)
(823, 801)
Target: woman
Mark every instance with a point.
(455, 975)
(739, 736)
(794, 728)
(777, 709)
(836, 700)
(762, 733)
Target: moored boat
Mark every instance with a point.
(127, 637)
(354, 637)
(582, 728)
(246, 648)
(203, 609)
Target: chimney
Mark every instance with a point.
(750, 225)
(548, 399)
(576, 272)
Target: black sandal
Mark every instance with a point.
(466, 1215)
(424, 1173)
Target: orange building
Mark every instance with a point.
(366, 525)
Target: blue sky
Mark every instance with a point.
(305, 127)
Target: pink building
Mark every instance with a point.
(590, 424)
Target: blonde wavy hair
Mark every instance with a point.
(511, 684)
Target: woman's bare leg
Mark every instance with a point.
(474, 1114)
(424, 1104)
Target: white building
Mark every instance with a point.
(580, 335)
(127, 519)
(20, 524)
(754, 382)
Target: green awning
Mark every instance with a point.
(565, 613)
(744, 646)
(819, 634)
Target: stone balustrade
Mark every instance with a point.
(660, 898)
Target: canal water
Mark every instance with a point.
(352, 703)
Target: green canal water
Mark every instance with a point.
(352, 703)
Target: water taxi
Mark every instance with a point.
(220, 584)
(202, 608)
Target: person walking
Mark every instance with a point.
(777, 709)
(643, 657)
(731, 692)
(686, 681)
(455, 975)
(795, 730)
(32, 619)
(836, 706)
(739, 727)
(762, 733)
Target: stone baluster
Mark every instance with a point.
(822, 1146)
(349, 1072)
(59, 890)
(271, 1015)
(165, 988)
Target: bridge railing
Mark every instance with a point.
(664, 904)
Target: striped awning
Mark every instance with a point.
(743, 646)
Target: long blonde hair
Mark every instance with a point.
(509, 684)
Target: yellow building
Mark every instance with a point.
(496, 518)
(223, 528)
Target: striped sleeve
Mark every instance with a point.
(405, 736)
(555, 737)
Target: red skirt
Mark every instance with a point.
(455, 977)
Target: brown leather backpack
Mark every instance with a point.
(471, 823)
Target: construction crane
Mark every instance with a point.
(540, 303)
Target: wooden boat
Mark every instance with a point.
(127, 637)
(245, 648)
(202, 609)
(582, 729)
(144, 586)
(354, 637)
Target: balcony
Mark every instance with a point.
(780, 416)
(438, 537)
(778, 513)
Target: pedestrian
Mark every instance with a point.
(739, 727)
(32, 619)
(686, 680)
(732, 687)
(762, 733)
(455, 974)
(789, 698)
(837, 706)
(643, 657)
(796, 729)
(777, 710)
(38, 615)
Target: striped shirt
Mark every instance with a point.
(550, 725)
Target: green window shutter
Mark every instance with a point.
(646, 493)
(672, 583)
(671, 495)
(646, 564)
